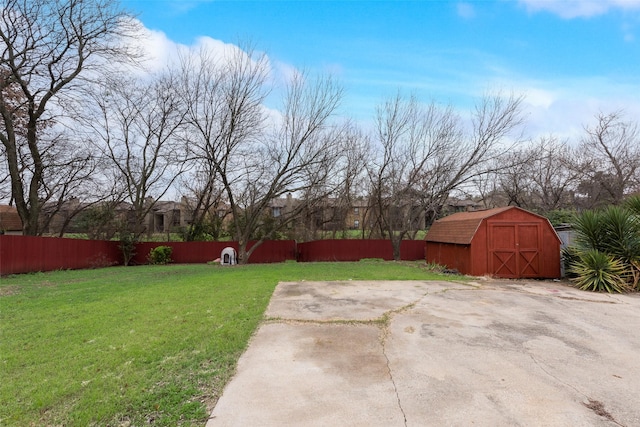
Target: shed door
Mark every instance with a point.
(514, 249)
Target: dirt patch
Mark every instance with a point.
(8, 291)
(47, 284)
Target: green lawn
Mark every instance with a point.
(130, 346)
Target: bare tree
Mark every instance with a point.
(135, 126)
(72, 173)
(353, 178)
(553, 177)
(203, 201)
(225, 115)
(514, 178)
(410, 137)
(67, 163)
(426, 154)
(46, 47)
(328, 206)
(300, 156)
(612, 169)
(253, 160)
(541, 176)
(14, 103)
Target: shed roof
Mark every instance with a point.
(9, 219)
(460, 227)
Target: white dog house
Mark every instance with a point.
(228, 256)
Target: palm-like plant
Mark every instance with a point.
(589, 230)
(608, 243)
(633, 204)
(622, 240)
(597, 271)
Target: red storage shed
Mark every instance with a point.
(504, 242)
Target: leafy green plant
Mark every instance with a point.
(160, 255)
(614, 231)
(435, 267)
(621, 234)
(128, 241)
(633, 204)
(570, 255)
(560, 216)
(599, 272)
(589, 230)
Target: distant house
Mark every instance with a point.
(454, 205)
(61, 215)
(10, 222)
(166, 216)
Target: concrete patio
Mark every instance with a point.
(484, 353)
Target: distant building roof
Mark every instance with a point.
(463, 203)
(9, 219)
(165, 206)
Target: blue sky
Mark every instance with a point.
(570, 58)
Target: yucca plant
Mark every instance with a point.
(620, 233)
(621, 239)
(633, 204)
(599, 272)
(589, 230)
(570, 255)
(614, 232)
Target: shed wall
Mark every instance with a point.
(551, 253)
(452, 255)
(479, 253)
(513, 243)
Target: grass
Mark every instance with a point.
(130, 346)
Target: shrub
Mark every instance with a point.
(633, 204)
(560, 216)
(608, 240)
(570, 255)
(127, 245)
(597, 271)
(435, 267)
(160, 255)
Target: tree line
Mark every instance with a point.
(80, 118)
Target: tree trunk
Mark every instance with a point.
(396, 241)
(243, 253)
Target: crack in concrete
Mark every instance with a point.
(354, 322)
(383, 322)
(384, 328)
(618, 301)
(383, 340)
(592, 404)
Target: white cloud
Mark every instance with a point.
(283, 73)
(569, 9)
(558, 106)
(563, 107)
(465, 10)
(160, 51)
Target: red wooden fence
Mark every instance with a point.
(201, 252)
(23, 254)
(355, 250)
